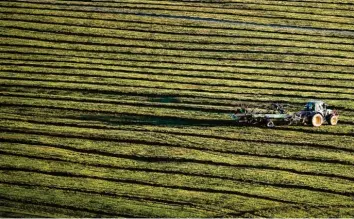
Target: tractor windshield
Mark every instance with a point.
(309, 106)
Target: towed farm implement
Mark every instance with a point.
(315, 113)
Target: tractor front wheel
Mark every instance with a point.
(333, 120)
(317, 120)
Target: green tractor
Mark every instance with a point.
(316, 113)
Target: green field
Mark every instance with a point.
(122, 108)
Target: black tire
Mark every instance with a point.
(333, 120)
(317, 120)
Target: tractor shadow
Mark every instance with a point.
(154, 120)
(132, 118)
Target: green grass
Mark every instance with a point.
(123, 109)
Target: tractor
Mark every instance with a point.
(316, 113)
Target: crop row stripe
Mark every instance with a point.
(109, 166)
(343, 76)
(156, 53)
(183, 71)
(255, 6)
(187, 188)
(47, 54)
(165, 159)
(56, 205)
(132, 27)
(58, 43)
(150, 91)
(326, 2)
(143, 75)
(129, 82)
(188, 41)
(75, 123)
(142, 198)
(329, 30)
(121, 180)
(235, 11)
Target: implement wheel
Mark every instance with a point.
(333, 120)
(270, 123)
(317, 120)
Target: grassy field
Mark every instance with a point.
(122, 108)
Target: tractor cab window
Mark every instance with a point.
(310, 107)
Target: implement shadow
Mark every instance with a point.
(155, 120)
(136, 118)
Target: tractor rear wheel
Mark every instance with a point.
(333, 120)
(317, 120)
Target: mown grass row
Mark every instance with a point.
(243, 45)
(171, 33)
(230, 86)
(260, 5)
(172, 74)
(175, 94)
(90, 199)
(188, 69)
(218, 11)
(240, 5)
(67, 168)
(234, 56)
(108, 27)
(142, 57)
(103, 70)
(129, 174)
(187, 101)
(224, 88)
(201, 28)
(278, 17)
(221, 67)
(117, 123)
(169, 52)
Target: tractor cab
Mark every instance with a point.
(316, 107)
